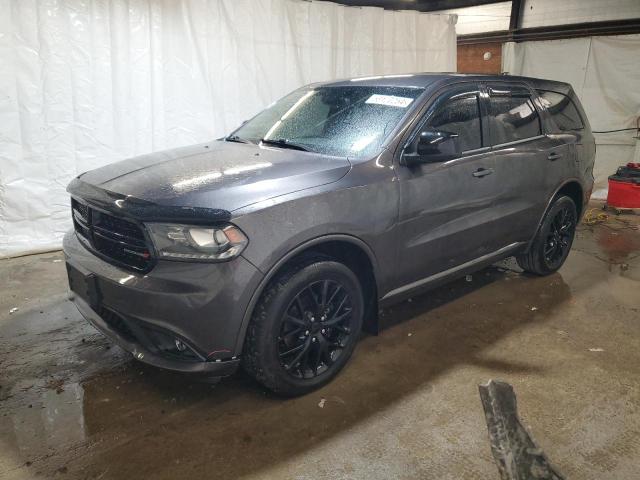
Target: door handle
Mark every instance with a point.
(553, 156)
(482, 172)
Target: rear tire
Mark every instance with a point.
(553, 241)
(305, 327)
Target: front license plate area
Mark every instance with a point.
(84, 285)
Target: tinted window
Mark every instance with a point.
(513, 117)
(348, 121)
(562, 110)
(460, 115)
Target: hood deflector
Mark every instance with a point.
(144, 210)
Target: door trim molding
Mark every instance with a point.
(501, 252)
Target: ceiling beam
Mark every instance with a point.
(420, 5)
(555, 32)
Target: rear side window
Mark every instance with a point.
(460, 115)
(513, 116)
(562, 109)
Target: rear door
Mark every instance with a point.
(527, 161)
(446, 214)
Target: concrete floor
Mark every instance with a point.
(407, 406)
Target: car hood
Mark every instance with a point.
(221, 175)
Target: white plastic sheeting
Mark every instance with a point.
(482, 18)
(605, 73)
(87, 82)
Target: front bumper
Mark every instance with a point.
(201, 304)
(217, 369)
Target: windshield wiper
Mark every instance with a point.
(235, 138)
(284, 143)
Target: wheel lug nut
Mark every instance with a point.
(323, 330)
(307, 332)
(313, 339)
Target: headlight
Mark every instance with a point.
(191, 242)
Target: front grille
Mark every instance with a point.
(117, 239)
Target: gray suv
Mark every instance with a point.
(274, 247)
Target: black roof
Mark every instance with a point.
(425, 80)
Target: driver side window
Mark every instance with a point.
(459, 115)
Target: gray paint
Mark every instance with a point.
(419, 226)
(222, 174)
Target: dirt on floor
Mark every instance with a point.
(406, 406)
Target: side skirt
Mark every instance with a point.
(433, 281)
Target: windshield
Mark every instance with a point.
(350, 121)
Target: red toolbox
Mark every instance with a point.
(624, 187)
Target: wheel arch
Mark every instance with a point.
(347, 249)
(574, 191)
(571, 188)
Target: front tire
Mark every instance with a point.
(305, 327)
(553, 241)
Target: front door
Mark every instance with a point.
(446, 207)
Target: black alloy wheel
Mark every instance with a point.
(305, 326)
(315, 329)
(559, 237)
(552, 243)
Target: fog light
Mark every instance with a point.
(180, 346)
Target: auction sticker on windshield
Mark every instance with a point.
(390, 100)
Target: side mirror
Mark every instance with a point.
(432, 146)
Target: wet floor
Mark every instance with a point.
(407, 406)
